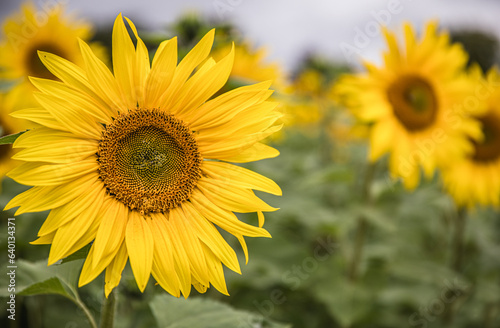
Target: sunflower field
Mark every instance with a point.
(137, 165)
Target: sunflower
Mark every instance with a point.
(45, 29)
(10, 125)
(476, 178)
(307, 101)
(250, 65)
(137, 161)
(416, 103)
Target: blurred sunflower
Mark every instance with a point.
(306, 101)
(413, 101)
(476, 179)
(250, 65)
(10, 125)
(45, 29)
(24, 33)
(136, 161)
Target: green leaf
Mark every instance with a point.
(32, 278)
(49, 286)
(171, 312)
(9, 139)
(377, 217)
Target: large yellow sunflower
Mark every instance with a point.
(47, 29)
(476, 179)
(137, 162)
(416, 102)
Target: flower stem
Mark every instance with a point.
(457, 252)
(85, 310)
(362, 224)
(358, 249)
(108, 311)
(458, 239)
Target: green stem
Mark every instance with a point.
(456, 257)
(458, 239)
(108, 311)
(358, 249)
(85, 310)
(326, 145)
(362, 224)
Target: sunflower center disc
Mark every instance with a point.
(35, 65)
(413, 101)
(489, 149)
(149, 160)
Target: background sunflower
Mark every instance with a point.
(475, 179)
(415, 103)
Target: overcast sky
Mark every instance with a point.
(290, 28)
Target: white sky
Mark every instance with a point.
(290, 28)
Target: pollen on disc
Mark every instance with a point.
(149, 160)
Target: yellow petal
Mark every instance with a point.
(68, 72)
(76, 233)
(203, 84)
(124, 61)
(181, 262)
(232, 198)
(225, 107)
(102, 80)
(114, 270)
(216, 271)
(240, 177)
(93, 106)
(40, 116)
(140, 246)
(257, 152)
(162, 72)
(111, 232)
(261, 218)
(163, 261)
(211, 237)
(37, 174)
(56, 148)
(94, 266)
(73, 120)
(63, 214)
(44, 240)
(185, 68)
(223, 218)
(142, 68)
(42, 198)
(191, 244)
(232, 147)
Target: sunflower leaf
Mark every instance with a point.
(34, 278)
(9, 139)
(171, 312)
(50, 286)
